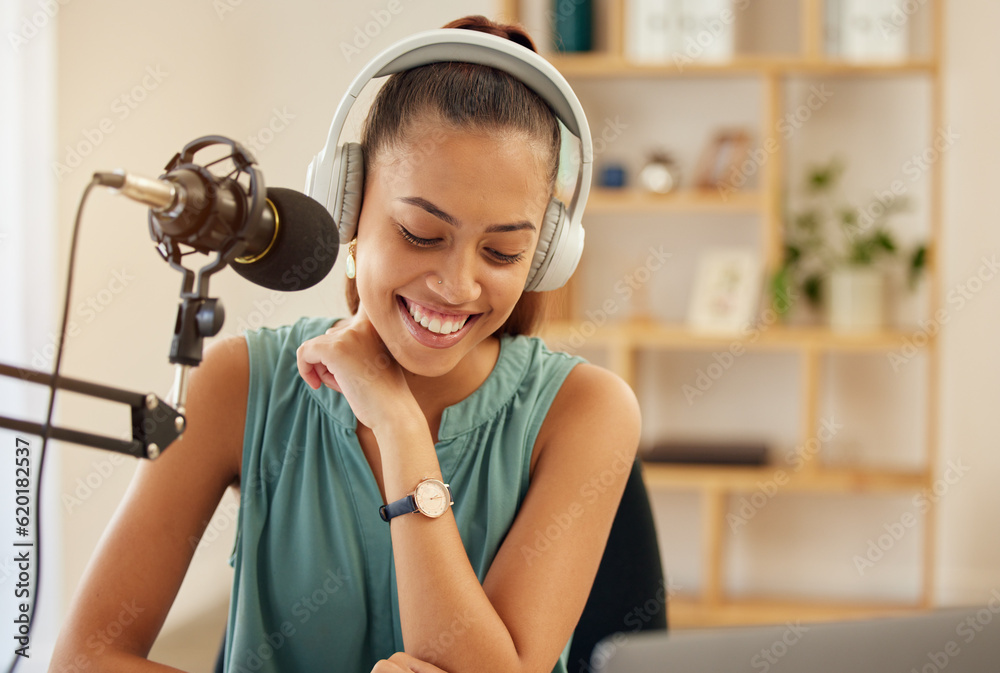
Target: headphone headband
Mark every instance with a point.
(465, 46)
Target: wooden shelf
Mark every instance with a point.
(690, 612)
(822, 479)
(597, 64)
(622, 342)
(653, 335)
(685, 201)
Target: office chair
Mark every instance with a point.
(629, 592)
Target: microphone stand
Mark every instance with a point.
(156, 423)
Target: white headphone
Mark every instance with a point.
(335, 176)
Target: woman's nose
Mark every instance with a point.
(456, 281)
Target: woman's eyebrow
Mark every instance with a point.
(430, 208)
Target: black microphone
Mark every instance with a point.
(302, 248)
(291, 245)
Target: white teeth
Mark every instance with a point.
(435, 325)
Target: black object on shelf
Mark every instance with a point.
(707, 453)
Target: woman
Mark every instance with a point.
(328, 426)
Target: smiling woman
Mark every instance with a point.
(394, 465)
(417, 111)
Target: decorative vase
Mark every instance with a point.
(855, 302)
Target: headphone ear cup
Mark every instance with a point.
(350, 189)
(555, 257)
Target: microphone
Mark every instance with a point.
(291, 245)
(301, 249)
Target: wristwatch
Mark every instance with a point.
(431, 497)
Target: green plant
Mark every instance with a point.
(829, 233)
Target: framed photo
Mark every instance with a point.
(726, 291)
(722, 158)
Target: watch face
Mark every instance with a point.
(432, 498)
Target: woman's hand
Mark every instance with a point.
(352, 359)
(404, 663)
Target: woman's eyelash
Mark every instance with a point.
(507, 259)
(415, 240)
(428, 242)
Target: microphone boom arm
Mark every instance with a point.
(155, 424)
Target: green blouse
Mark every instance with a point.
(314, 587)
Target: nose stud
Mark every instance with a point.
(440, 281)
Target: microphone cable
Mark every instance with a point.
(33, 603)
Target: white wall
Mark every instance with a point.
(233, 72)
(969, 548)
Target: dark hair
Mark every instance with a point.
(465, 96)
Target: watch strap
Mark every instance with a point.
(405, 505)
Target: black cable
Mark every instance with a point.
(48, 418)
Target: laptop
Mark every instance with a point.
(956, 640)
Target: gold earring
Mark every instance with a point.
(350, 266)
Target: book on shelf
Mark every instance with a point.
(873, 31)
(679, 31)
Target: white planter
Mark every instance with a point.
(855, 302)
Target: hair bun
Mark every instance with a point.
(508, 31)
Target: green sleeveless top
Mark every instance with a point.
(314, 587)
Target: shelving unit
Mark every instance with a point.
(624, 341)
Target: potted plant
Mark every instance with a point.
(836, 255)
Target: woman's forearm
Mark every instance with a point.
(447, 618)
(76, 656)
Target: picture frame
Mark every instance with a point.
(726, 291)
(722, 158)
